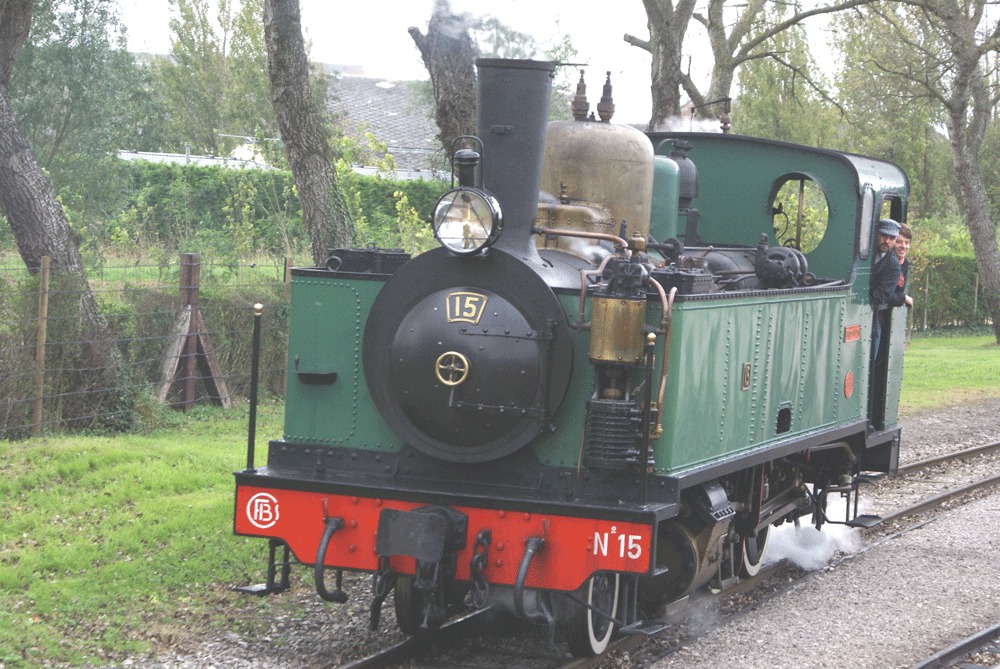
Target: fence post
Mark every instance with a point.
(189, 344)
(975, 299)
(927, 293)
(43, 319)
(190, 278)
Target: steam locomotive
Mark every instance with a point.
(630, 357)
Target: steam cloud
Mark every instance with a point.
(809, 548)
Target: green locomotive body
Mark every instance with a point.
(589, 407)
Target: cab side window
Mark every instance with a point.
(892, 207)
(800, 212)
(867, 220)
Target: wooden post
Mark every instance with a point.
(43, 319)
(190, 278)
(975, 299)
(927, 292)
(189, 347)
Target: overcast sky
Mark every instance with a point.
(373, 34)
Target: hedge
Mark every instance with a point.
(945, 290)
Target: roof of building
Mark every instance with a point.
(394, 112)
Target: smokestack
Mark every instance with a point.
(513, 109)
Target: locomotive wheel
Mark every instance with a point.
(410, 608)
(589, 633)
(754, 552)
(755, 546)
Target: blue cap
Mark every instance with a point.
(887, 226)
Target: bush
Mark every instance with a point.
(944, 288)
(235, 214)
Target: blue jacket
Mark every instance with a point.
(884, 278)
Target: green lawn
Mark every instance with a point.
(107, 542)
(945, 371)
(111, 546)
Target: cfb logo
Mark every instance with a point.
(262, 510)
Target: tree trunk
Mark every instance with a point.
(667, 26)
(970, 105)
(324, 209)
(37, 218)
(966, 136)
(449, 55)
(976, 211)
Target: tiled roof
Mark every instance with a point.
(393, 111)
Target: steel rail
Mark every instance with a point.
(937, 500)
(408, 648)
(958, 455)
(949, 656)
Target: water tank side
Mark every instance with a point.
(666, 193)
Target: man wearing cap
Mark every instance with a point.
(884, 278)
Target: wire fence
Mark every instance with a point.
(179, 334)
(175, 333)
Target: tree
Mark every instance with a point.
(748, 38)
(953, 58)
(324, 210)
(214, 85)
(192, 79)
(72, 78)
(495, 39)
(779, 97)
(76, 94)
(449, 54)
(668, 26)
(893, 117)
(36, 218)
(248, 104)
(449, 51)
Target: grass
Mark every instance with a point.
(111, 547)
(107, 542)
(946, 371)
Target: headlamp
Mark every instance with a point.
(467, 220)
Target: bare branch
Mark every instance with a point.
(756, 41)
(635, 41)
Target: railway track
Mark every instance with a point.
(927, 484)
(985, 449)
(474, 642)
(979, 651)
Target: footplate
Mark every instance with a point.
(865, 521)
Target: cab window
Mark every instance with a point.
(892, 207)
(799, 212)
(867, 220)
